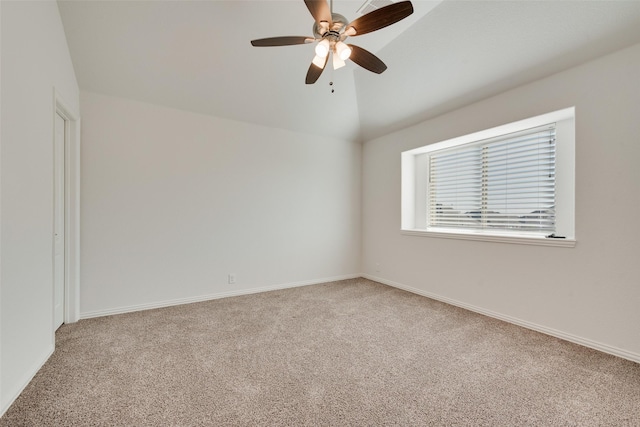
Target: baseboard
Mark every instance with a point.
(605, 348)
(634, 357)
(26, 379)
(201, 298)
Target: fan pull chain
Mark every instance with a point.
(331, 81)
(331, 71)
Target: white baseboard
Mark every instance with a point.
(605, 348)
(201, 298)
(634, 357)
(26, 379)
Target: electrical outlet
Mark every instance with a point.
(232, 278)
(377, 267)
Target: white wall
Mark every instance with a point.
(589, 293)
(35, 59)
(173, 201)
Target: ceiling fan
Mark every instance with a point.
(330, 31)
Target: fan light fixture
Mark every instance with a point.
(343, 51)
(319, 61)
(322, 49)
(337, 62)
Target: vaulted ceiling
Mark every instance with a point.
(196, 56)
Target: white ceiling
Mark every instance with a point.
(196, 56)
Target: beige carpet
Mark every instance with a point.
(345, 353)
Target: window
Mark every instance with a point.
(506, 183)
(513, 183)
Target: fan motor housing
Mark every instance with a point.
(338, 25)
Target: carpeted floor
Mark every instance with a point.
(353, 352)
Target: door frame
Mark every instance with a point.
(71, 209)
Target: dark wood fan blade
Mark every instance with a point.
(366, 59)
(281, 41)
(380, 18)
(319, 10)
(314, 72)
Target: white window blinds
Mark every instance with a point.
(505, 183)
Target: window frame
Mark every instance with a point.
(414, 191)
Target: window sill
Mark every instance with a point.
(497, 238)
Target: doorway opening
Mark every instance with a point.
(59, 220)
(66, 214)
